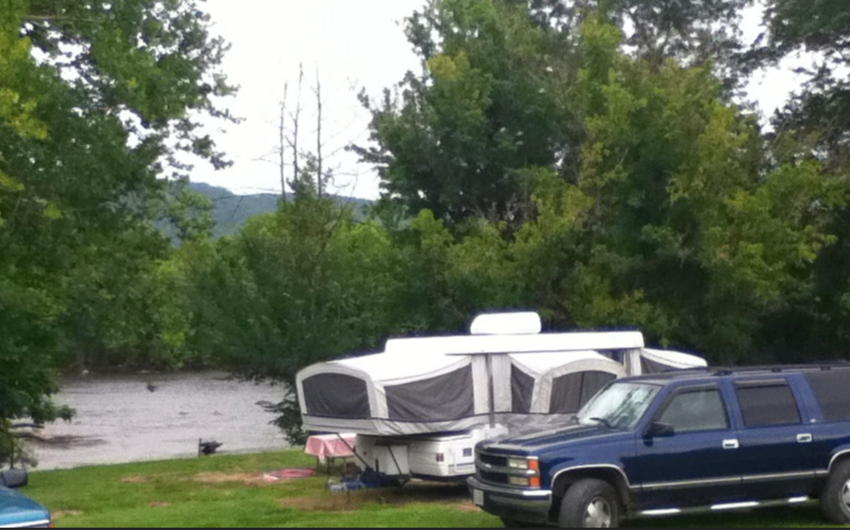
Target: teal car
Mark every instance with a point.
(16, 510)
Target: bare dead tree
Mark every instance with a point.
(305, 162)
(319, 160)
(282, 141)
(293, 140)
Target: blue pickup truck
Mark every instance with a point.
(16, 510)
(702, 440)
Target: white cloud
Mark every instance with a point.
(355, 44)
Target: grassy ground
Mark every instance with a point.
(227, 491)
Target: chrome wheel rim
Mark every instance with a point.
(845, 495)
(598, 514)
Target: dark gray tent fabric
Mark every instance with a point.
(336, 396)
(832, 389)
(447, 397)
(522, 391)
(566, 394)
(571, 392)
(594, 382)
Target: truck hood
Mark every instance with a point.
(17, 509)
(535, 442)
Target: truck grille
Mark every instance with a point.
(492, 478)
(493, 460)
(496, 475)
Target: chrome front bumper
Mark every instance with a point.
(524, 505)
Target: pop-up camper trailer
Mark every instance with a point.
(420, 407)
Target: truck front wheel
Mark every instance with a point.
(835, 498)
(590, 503)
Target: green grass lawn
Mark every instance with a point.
(225, 491)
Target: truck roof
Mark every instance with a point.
(710, 373)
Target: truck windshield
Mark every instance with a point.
(620, 406)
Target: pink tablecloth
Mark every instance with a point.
(331, 446)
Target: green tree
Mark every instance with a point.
(96, 101)
(818, 114)
(814, 125)
(456, 139)
(301, 286)
(684, 229)
(692, 32)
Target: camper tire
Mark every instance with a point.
(590, 503)
(834, 498)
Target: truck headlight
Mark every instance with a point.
(520, 481)
(515, 463)
(524, 464)
(525, 482)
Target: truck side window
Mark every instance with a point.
(831, 390)
(768, 404)
(696, 411)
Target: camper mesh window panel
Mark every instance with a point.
(591, 385)
(768, 405)
(443, 398)
(571, 392)
(336, 396)
(831, 389)
(522, 391)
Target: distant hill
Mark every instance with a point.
(231, 211)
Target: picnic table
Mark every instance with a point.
(329, 447)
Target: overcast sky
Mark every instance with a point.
(354, 45)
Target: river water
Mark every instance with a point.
(118, 419)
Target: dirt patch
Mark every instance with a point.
(158, 504)
(135, 480)
(253, 479)
(65, 513)
(419, 493)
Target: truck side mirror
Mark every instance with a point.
(14, 478)
(660, 430)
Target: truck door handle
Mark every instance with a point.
(805, 438)
(731, 444)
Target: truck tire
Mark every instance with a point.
(835, 498)
(590, 503)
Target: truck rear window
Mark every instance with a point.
(831, 389)
(768, 404)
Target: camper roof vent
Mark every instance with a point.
(527, 323)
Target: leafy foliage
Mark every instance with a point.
(95, 99)
(582, 159)
(456, 139)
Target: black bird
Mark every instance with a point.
(152, 387)
(208, 448)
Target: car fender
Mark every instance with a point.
(839, 453)
(611, 472)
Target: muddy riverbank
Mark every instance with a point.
(130, 418)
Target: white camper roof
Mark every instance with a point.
(504, 344)
(542, 363)
(674, 360)
(387, 370)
